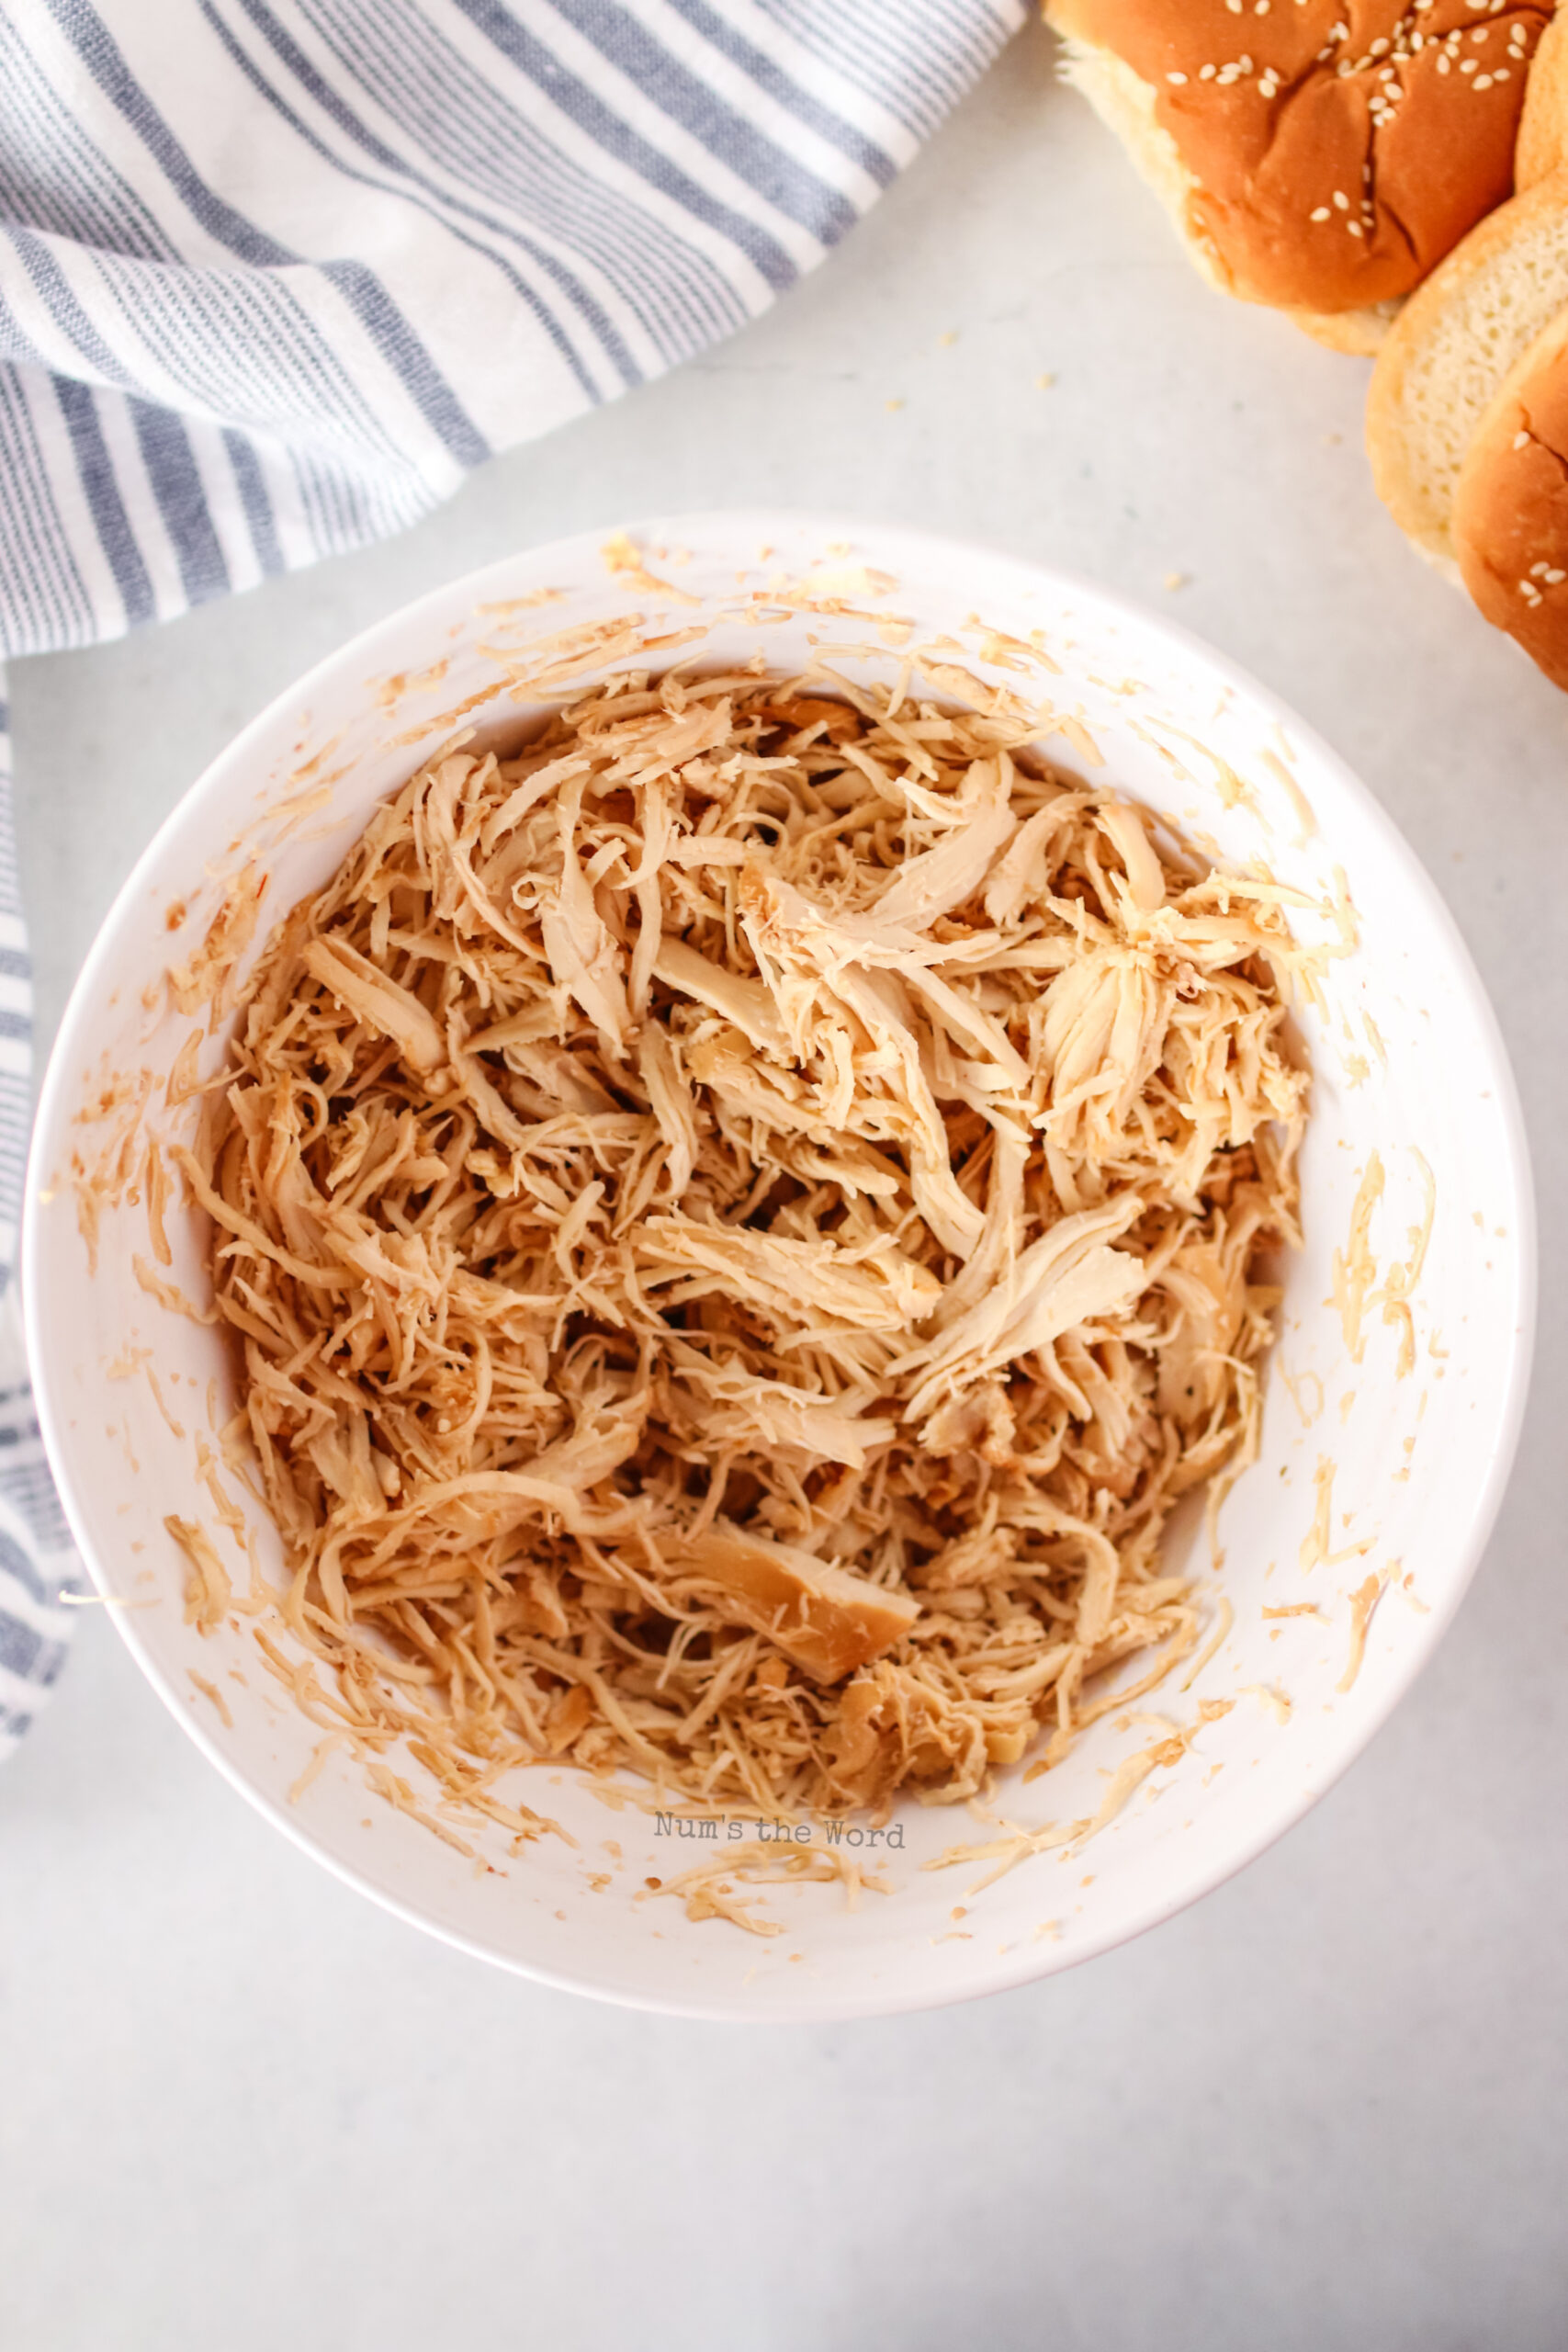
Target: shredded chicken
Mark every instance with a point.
(738, 1225)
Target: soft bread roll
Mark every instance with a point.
(1454, 344)
(1321, 155)
(1510, 509)
(1543, 126)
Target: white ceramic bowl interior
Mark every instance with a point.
(1377, 1478)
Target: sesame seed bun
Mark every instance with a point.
(1543, 126)
(1450, 350)
(1319, 155)
(1510, 509)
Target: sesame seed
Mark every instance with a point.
(1521, 440)
(1555, 577)
(1176, 77)
(1323, 213)
(1341, 201)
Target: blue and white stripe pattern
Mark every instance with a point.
(36, 1563)
(275, 275)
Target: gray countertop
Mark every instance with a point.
(239, 2105)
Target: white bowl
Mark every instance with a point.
(1407, 1063)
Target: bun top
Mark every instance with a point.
(1339, 148)
(1510, 511)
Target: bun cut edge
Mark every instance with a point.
(1511, 508)
(1449, 352)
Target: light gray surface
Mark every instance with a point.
(238, 2105)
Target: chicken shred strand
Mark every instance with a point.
(738, 1223)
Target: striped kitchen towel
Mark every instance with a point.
(36, 1563)
(275, 275)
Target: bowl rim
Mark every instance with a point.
(750, 526)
